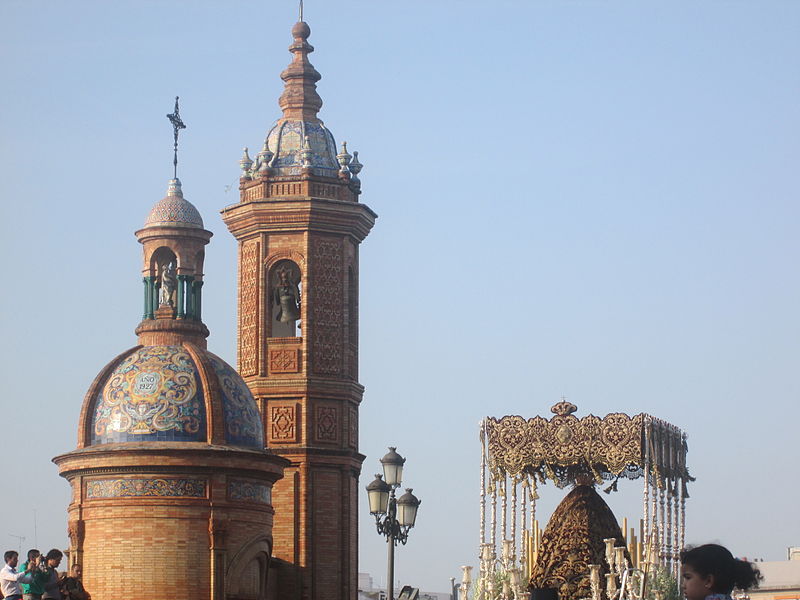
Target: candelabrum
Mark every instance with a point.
(594, 581)
(623, 582)
(466, 580)
(501, 579)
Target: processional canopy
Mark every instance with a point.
(519, 454)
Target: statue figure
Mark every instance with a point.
(286, 296)
(169, 283)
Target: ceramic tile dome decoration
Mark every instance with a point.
(153, 395)
(285, 139)
(242, 420)
(174, 210)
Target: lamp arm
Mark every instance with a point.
(389, 526)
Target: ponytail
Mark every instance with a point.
(746, 575)
(728, 572)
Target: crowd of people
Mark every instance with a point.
(38, 578)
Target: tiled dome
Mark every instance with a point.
(173, 210)
(160, 394)
(286, 140)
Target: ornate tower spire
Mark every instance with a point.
(300, 99)
(299, 223)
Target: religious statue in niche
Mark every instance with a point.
(286, 293)
(169, 282)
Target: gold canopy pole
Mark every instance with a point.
(503, 509)
(484, 451)
(646, 490)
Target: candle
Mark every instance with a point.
(619, 559)
(467, 577)
(609, 542)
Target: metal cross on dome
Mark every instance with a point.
(177, 125)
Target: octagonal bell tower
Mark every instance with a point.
(299, 224)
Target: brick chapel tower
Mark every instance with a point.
(299, 224)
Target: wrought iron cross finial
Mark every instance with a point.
(177, 125)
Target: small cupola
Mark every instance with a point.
(173, 240)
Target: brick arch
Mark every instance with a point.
(164, 253)
(186, 259)
(296, 257)
(270, 266)
(257, 550)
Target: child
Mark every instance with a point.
(710, 572)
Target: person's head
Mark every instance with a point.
(54, 557)
(76, 571)
(11, 557)
(33, 554)
(712, 569)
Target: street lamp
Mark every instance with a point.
(393, 517)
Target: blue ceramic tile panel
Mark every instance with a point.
(243, 425)
(153, 395)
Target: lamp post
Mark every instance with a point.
(393, 517)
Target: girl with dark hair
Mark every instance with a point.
(710, 572)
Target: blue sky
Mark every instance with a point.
(594, 199)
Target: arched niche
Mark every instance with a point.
(160, 259)
(160, 280)
(284, 298)
(247, 573)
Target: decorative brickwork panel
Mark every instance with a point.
(249, 490)
(248, 308)
(283, 423)
(352, 321)
(353, 428)
(142, 487)
(327, 423)
(284, 360)
(331, 562)
(326, 309)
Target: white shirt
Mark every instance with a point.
(10, 580)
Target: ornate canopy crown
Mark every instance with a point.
(566, 448)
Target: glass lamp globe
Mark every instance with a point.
(393, 467)
(407, 506)
(378, 493)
